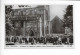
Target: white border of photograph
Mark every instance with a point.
(76, 22)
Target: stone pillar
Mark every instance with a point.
(49, 18)
(24, 25)
(49, 26)
(40, 27)
(37, 28)
(44, 22)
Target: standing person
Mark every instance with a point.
(20, 41)
(71, 40)
(59, 40)
(68, 40)
(56, 39)
(28, 38)
(44, 40)
(11, 38)
(32, 39)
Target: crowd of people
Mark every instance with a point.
(57, 40)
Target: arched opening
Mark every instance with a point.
(31, 33)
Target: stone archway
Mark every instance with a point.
(31, 32)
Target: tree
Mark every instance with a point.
(68, 17)
(8, 21)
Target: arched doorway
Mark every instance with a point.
(31, 32)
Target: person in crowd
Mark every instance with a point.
(59, 40)
(64, 40)
(44, 40)
(20, 41)
(32, 41)
(26, 40)
(71, 40)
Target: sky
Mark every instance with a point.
(55, 10)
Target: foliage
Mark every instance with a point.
(68, 17)
(8, 23)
